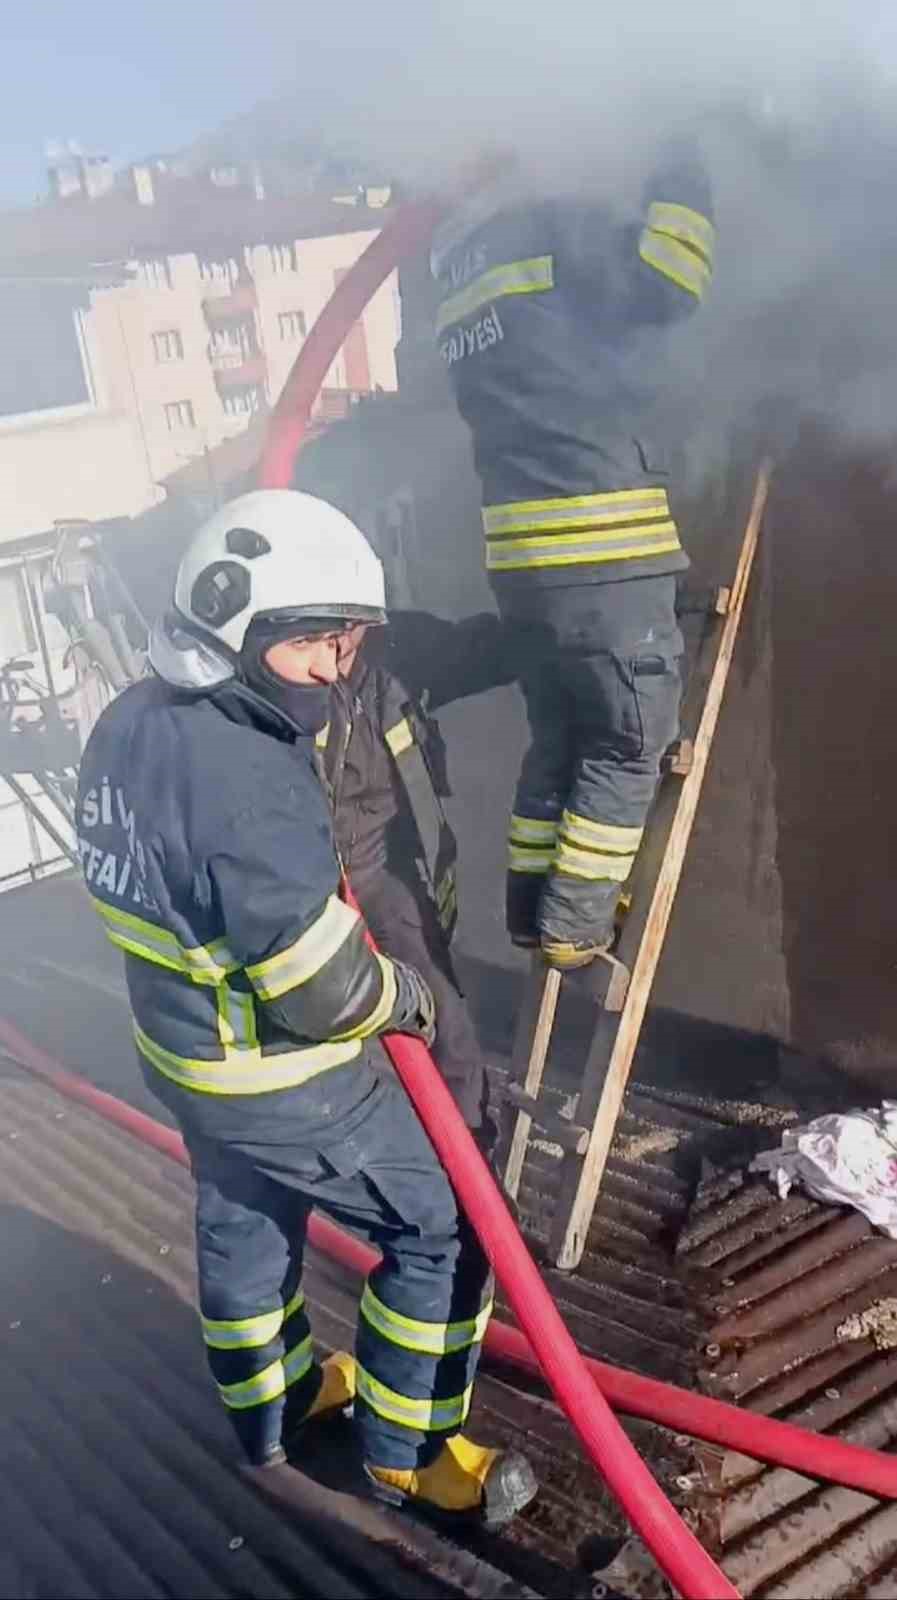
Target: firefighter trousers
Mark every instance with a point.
(403, 920)
(599, 670)
(348, 1144)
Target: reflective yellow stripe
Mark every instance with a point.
(322, 737)
(310, 952)
(399, 738)
(246, 1071)
(272, 1382)
(529, 860)
(681, 223)
(203, 963)
(249, 1333)
(428, 1338)
(377, 1019)
(589, 511)
(676, 261)
(514, 277)
(531, 830)
(600, 835)
(433, 1416)
(446, 888)
(591, 864)
(236, 1019)
(569, 549)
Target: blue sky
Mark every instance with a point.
(131, 78)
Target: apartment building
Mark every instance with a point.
(154, 316)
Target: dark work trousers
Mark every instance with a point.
(403, 920)
(599, 669)
(348, 1144)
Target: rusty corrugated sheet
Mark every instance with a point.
(776, 1283)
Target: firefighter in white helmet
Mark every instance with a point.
(208, 853)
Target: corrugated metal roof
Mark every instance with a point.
(777, 1282)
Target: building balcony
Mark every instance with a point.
(233, 370)
(222, 302)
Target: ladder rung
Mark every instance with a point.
(567, 1134)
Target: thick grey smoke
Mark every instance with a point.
(796, 112)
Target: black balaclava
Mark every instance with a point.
(307, 705)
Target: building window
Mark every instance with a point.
(291, 325)
(155, 273)
(224, 273)
(283, 258)
(179, 415)
(243, 402)
(168, 346)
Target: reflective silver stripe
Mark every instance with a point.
(399, 738)
(587, 511)
(529, 860)
(680, 222)
(203, 963)
(675, 261)
(531, 830)
(567, 550)
(246, 1071)
(272, 1382)
(236, 1019)
(428, 1338)
(600, 835)
(514, 277)
(431, 1416)
(249, 1333)
(310, 952)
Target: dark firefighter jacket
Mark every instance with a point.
(206, 843)
(383, 752)
(550, 323)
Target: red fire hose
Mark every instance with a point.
(409, 230)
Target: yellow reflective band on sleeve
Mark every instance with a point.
(246, 1071)
(571, 549)
(590, 512)
(427, 1338)
(376, 1021)
(600, 835)
(322, 736)
(514, 277)
(272, 1382)
(249, 1333)
(399, 738)
(674, 260)
(431, 1416)
(310, 952)
(681, 223)
(203, 963)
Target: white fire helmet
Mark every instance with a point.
(276, 555)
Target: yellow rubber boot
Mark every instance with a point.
(568, 955)
(466, 1479)
(337, 1389)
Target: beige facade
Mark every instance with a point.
(179, 359)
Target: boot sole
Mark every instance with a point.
(495, 1510)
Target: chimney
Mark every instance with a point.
(143, 186)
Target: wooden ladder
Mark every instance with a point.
(622, 982)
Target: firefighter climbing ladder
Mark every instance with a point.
(586, 1135)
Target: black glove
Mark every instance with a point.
(415, 1009)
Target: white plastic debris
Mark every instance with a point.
(848, 1160)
